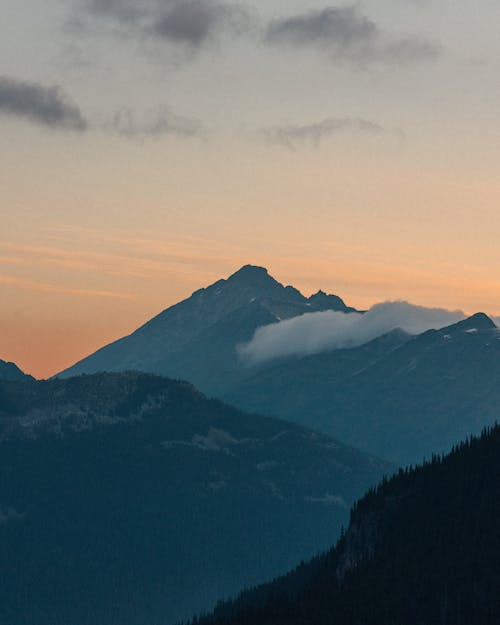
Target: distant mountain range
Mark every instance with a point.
(11, 372)
(400, 397)
(196, 339)
(128, 498)
(423, 547)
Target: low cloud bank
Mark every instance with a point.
(317, 332)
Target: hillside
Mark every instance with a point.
(11, 372)
(423, 547)
(128, 499)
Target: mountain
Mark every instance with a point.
(128, 498)
(400, 397)
(196, 339)
(10, 371)
(423, 547)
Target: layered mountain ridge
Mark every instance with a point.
(401, 397)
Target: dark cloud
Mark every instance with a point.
(347, 35)
(188, 22)
(193, 22)
(48, 106)
(159, 123)
(313, 134)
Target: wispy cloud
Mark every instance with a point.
(345, 34)
(317, 332)
(313, 134)
(51, 107)
(136, 258)
(153, 124)
(44, 287)
(48, 106)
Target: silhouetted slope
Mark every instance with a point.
(422, 548)
(399, 397)
(11, 372)
(128, 499)
(197, 338)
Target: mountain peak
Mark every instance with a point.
(213, 320)
(327, 301)
(253, 276)
(250, 272)
(479, 321)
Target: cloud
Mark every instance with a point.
(313, 134)
(154, 124)
(48, 106)
(44, 287)
(322, 331)
(191, 23)
(194, 22)
(348, 35)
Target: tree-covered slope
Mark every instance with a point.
(422, 548)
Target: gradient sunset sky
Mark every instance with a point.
(150, 148)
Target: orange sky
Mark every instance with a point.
(75, 289)
(82, 264)
(135, 170)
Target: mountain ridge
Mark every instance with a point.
(416, 396)
(11, 372)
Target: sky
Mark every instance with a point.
(150, 148)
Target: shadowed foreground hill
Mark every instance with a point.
(423, 548)
(130, 499)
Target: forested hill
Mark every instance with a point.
(422, 548)
(131, 499)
